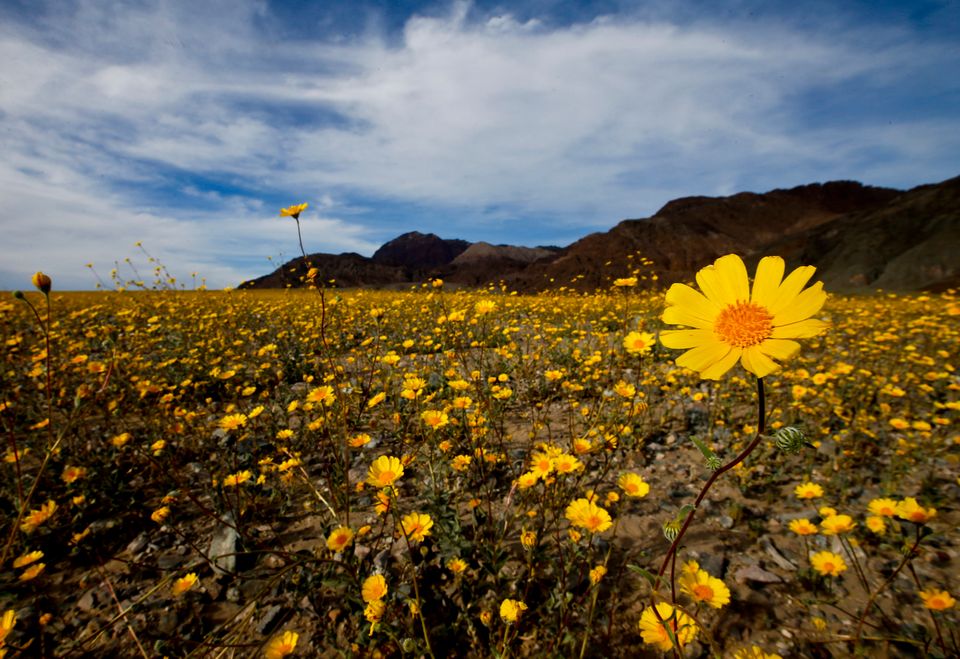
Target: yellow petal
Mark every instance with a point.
(683, 339)
(803, 306)
(790, 288)
(703, 356)
(694, 301)
(767, 281)
(716, 371)
(683, 316)
(709, 282)
(801, 330)
(779, 348)
(758, 363)
(733, 274)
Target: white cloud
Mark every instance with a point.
(109, 113)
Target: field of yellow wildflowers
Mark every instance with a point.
(476, 473)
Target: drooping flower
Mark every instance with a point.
(281, 645)
(374, 612)
(827, 563)
(731, 323)
(655, 633)
(384, 471)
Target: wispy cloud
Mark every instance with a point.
(186, 125)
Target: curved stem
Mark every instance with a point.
(670, 558)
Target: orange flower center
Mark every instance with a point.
(703, 592)
(829, 567)
(744, 324)
(387, 477)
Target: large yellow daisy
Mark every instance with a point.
(732, 322)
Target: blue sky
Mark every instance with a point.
(187, 125)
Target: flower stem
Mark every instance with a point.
(670, 558)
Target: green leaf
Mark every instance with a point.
(707, 452)
(646, 574)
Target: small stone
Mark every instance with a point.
(725, 521)
(224, 545)
(137, 544)
(268, 621)
(756, 574)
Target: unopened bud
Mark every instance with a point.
(42, 282)
(671, 529)
(18, 295)
(790, 439)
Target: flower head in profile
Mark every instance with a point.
(937, 600)
(7, 621)
(655, 633)
(37, 517)
(184, 583)
(911, 511)
(42, 282)
(803, 527)
(731, 322)
(837, 524)
(883, 507)
(808, 491)
(293, 211)
(827, 563)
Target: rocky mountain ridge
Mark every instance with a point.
(859, 237)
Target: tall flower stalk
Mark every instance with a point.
(730, 322)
